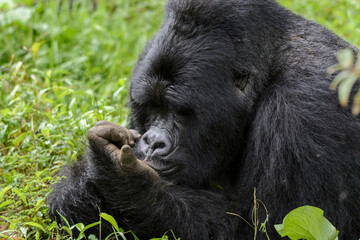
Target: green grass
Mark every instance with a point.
(60, 73)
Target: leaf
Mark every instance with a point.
(6, 203)
(135, 237)
(83, 125)
(307, 222)
(2, 134)
(117, 92)
(111, 220)
(114, 235)
(345, 89)
(21, 196)
(66, 222)
(34, 224)
(92, 237)
(338, 79)
(164, 237)
(19, 139)
(87, 227)
(73, 101)
(67, 229)
(3, 191)
(35, 49)
(345, 58)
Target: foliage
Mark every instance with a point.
(340, 16)
(308, 223)
(61, 71)
(59, 74)
(346, 79)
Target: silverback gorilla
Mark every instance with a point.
(230, 93)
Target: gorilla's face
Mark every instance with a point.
(185, 103)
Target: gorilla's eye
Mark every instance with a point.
(241, 79)
(185, 112)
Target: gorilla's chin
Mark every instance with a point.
(162, 167)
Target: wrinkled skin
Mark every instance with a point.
(115, 142)
(227, 97)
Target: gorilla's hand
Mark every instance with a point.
(114, 142)
(105, 132)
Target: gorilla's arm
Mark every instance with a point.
(159, 208)
(112, 179)
(76, 198)
(150, 205)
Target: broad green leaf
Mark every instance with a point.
(308, 223)
(34, 224)
(111, 220)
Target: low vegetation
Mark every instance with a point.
(62, 70)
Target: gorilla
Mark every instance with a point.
(228, 97)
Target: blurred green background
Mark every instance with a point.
(62, 70)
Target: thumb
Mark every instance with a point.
(127, 158)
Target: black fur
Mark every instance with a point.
(241, 89)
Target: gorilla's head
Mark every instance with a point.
(189, 98)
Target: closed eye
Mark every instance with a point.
(185, 112)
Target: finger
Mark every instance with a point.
(95, 140)
(112, 134)
(108, 132)
(127, 156)
(118, 136)
(116, 133)
(127, 136)
(104, 122)
(130, 138)
(136, 135)
(129, 163)
(114, 153)
(128, 159)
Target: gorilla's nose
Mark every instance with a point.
(155, 141)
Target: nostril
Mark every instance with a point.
(146, 140)
(155, 142)
(159, 145)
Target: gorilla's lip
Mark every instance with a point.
(161, 168)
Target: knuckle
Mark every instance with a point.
(102, 122)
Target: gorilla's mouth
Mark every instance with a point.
(163, 168)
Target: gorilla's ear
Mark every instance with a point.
(241, 79)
